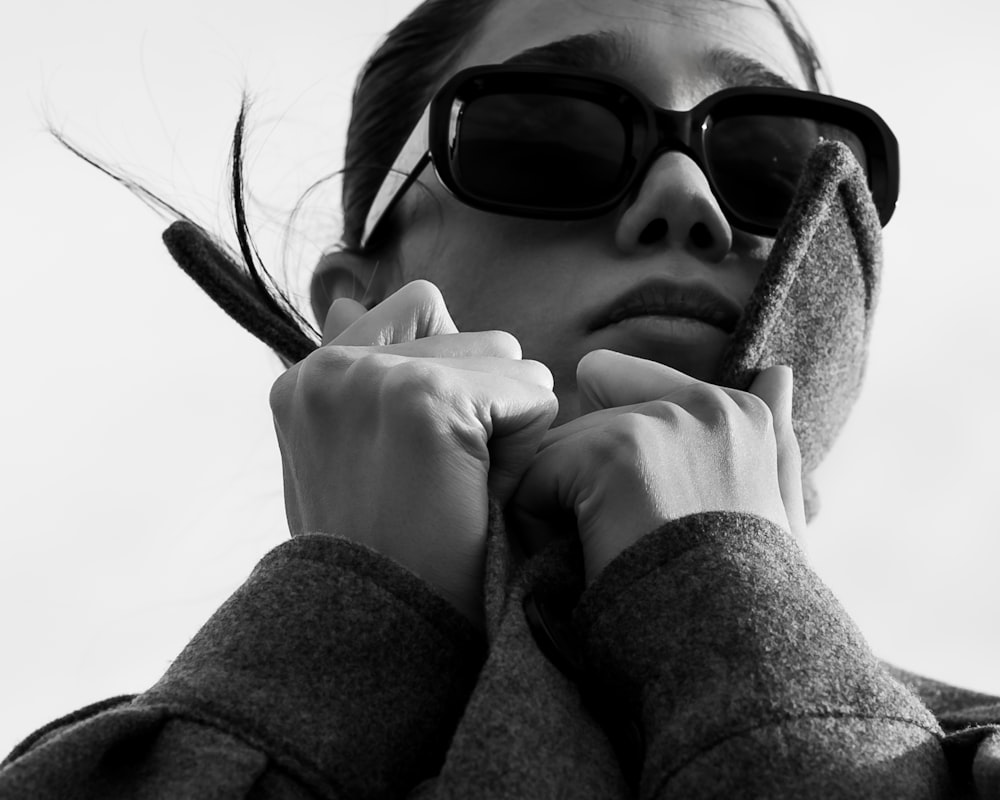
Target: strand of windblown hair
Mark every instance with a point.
(289, 312)
(252, 259)
(152, 200)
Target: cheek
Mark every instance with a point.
(753, 253)
(467, 259)
(491, 268)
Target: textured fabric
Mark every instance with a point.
(812, 307)
(304, 677)
(745, 670)
(743, 675)
(986, 767)
(525, 732)
(234, 292)
(707, 660)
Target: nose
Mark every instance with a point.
(675, 208)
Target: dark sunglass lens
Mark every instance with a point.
(756, 161)
(540, 150)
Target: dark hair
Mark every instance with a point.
(392, 91)
(802, 43)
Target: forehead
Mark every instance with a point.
(670, 40)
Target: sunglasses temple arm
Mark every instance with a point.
(410, 162)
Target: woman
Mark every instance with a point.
(537, 548)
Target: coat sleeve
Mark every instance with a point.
(332, 672)
(746, 678)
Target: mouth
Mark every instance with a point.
(663, 298)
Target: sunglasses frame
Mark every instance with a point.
(654, 131)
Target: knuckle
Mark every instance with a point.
(368, 368)
(325, 361)
(734, 409)
(756, 410)
(331, 370)
(317, 374)
(664, 409)
(623, 435)
(386, 384)
(709, 394)
(709, 403)
(410, 387)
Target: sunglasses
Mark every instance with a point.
(555, 143)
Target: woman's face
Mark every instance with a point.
(553, 284)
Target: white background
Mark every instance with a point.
(139, 475)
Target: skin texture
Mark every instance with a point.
(394, 431)
(545, 281)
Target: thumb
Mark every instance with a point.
(607, 379)
(343, 312)
(774, 386)
(415, 311)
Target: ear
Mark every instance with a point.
(345, 273)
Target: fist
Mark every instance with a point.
(654, 445)
(393, 432)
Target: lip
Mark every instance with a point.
(660, 297)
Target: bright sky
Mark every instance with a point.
(139, 474)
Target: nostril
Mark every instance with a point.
(654, 231)
(701, 236)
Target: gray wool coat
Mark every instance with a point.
(707, 660)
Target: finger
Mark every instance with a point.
(607, 379)
(540, 510)
(342, 314)
(514, 414)
(545, 505)
(593, 419)
(520, 415)
(790, 483)
(413, 312)
(498, 344)
(775, 386)
(527, 371)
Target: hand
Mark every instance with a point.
(392, 432)
(653, 445)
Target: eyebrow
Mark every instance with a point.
(602, 51)
(608, 51)
(737, 69)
